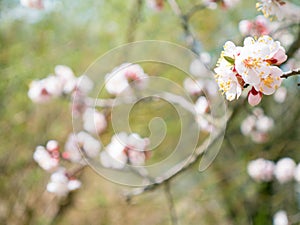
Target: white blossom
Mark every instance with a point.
(280, 218)
(125, 149)
(280, 95)
(261, 169)
(193, 87)
(297, 173)
(81, 144)
(272, 8)
(94, 121)
(60, 184)
(45, 158)
(285, 169)
(119, 79)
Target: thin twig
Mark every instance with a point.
(291, 73)
(171, 204)
(194, 9)
(190, 37)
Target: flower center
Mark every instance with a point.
(251, 63)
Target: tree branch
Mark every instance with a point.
(291, 73)
(190, 38)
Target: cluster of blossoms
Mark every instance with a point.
(125, 149)
(63, 82)
(125, 77)
(285, 170)
(257, 126)
(48, 158)
(255, 65)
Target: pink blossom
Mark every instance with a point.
(254, 97)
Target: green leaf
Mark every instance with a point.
(229, 59)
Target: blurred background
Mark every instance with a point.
(75, 33)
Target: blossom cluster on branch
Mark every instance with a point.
(255, 65)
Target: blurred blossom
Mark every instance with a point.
(193, 87)
(125, 149)
(261, 170)
(61, 184)
(280, 95)
(257, 126)
(93, 121)
(67, 78)
(212, 4)
(156, 5)
(52, 146)
(297, 173)
(264, 123)
(271, 8)
(34, 4)
(79, 144)
(42, 91)
(248, 125)
(201, 105)
(121, 77)
(279, 9)
(63, 82)
(284, 170)
(257, 27)
(198, 66)
(47, 157)
(230, 3)
(84, 84)
(280, 218)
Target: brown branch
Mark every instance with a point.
(178, 169)
(291, 73)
